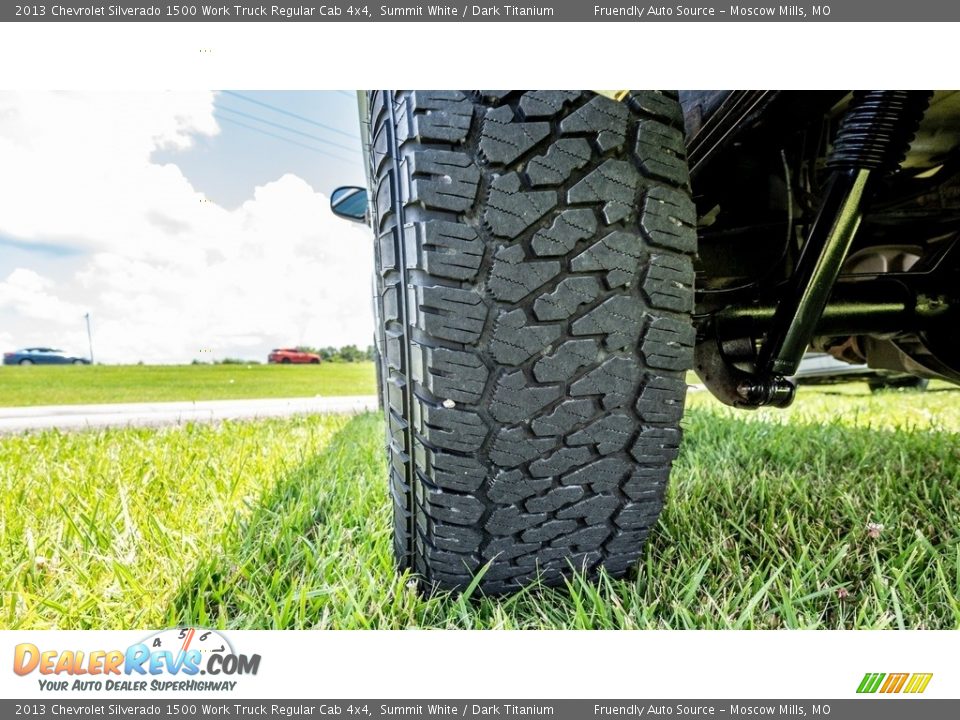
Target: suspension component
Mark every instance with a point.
(877, 131)
(913, 311)
(873, 139)
(878, 304)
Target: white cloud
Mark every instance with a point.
(165, 275)
(29, 295)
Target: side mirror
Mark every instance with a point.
(350, 202)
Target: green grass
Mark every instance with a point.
(72, 385)
(286, 524)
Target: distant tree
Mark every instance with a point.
(350, 353)
(345, 354)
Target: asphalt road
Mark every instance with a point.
(79, 417)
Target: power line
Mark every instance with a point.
(280, 110)
(286, 128)
(284, 139)
(316, 138)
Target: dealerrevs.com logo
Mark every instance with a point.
(169, 660)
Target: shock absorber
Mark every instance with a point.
(872, 140)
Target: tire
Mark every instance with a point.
(535, 289)
(26, 361)
(285, 361)
(314, 362)
(79, 362)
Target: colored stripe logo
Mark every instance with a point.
(913, 683)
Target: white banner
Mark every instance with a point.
(457, 664)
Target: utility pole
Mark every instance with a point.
(89, 337)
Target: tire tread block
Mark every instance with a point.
(443, 180)
(514, 400)
(558, 163)
(502, 140)
(441, 115)
(514, 340)
(568, 228)
(512, 277)
(511, 209)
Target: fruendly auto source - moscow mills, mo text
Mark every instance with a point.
(638, 12)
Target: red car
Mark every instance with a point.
(292, 355)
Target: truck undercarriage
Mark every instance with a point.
(551, 264)
(828, 220)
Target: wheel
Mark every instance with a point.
(26, 361)
(79, 362)
(314, 362)
(285, 361)
(879, 384)
(535, 290)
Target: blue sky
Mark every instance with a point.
(181, 221)
(230, 165)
